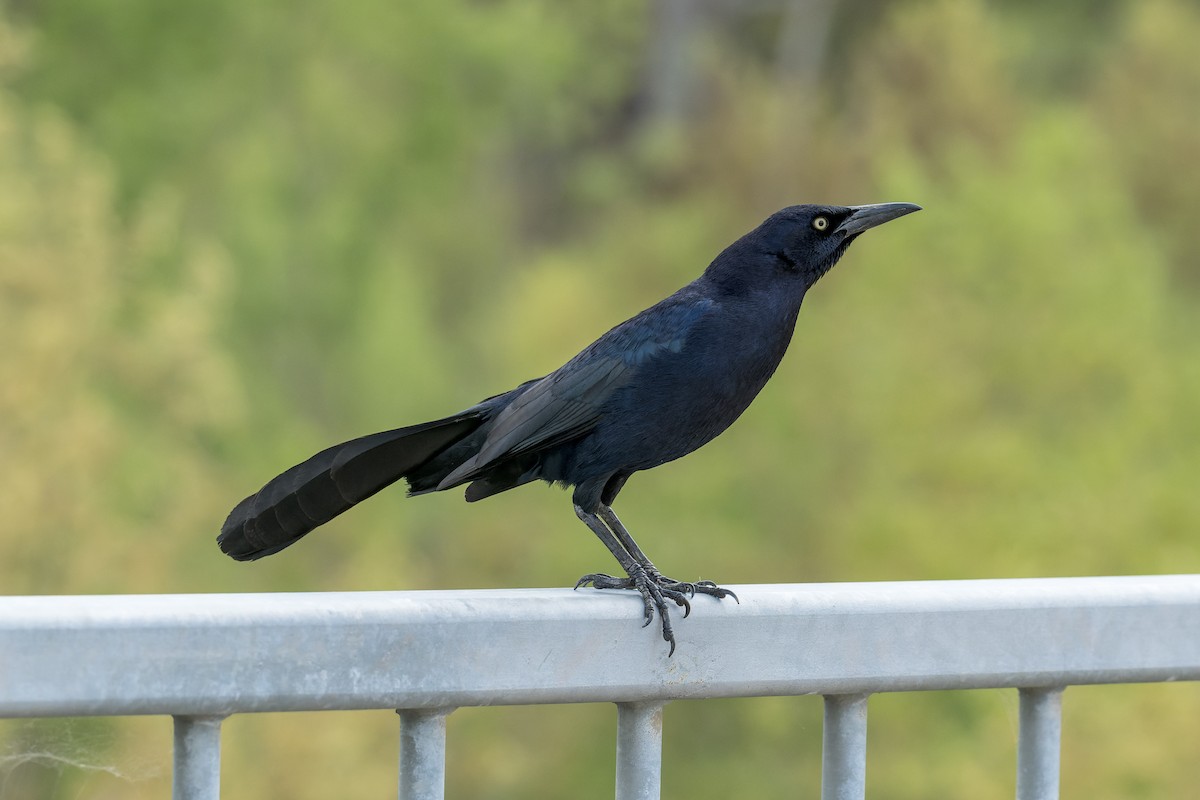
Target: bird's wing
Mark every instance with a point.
(567, 403)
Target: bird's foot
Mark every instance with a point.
(654, 596)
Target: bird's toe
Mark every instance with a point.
(692, 589)
(600, 580)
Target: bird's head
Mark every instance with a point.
(799, 243)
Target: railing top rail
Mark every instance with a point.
(217, 654)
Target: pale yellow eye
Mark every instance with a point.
(820, 223)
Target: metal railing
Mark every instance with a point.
(201, 658)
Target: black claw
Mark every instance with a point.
(680, 600)
(667, 632)
(656, 590)
(711, 589)
(648, 610)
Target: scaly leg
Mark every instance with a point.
(654, 594)
(623, 536)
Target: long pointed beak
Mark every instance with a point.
(865, 217)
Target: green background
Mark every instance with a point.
(233, 233)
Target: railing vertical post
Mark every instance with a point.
(1039, 744)
(639, 751)
(844, 748)
(197, 770)
(423, 753)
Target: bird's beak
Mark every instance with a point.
(863, 217)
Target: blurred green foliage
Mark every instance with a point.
(233, 233)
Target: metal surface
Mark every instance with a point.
(1039, 744)
(639, 750)
(844, 748)
(197, 774)
(423, 754)
(220, 654)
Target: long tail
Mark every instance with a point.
(312, 493)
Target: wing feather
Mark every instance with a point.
(567, 403)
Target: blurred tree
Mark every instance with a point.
(111, 379)
(1147, 100)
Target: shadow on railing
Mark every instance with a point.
(201, 658)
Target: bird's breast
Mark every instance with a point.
(685, 397)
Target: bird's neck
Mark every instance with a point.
(763, 322)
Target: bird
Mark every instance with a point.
(652, 389)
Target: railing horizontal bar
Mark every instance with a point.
(639, 751)
(219, 654)
(1039, 744)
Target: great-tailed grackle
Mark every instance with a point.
(652, 389)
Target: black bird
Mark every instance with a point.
(652, 389)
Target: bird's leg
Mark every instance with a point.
(653, 594)
(623, 536)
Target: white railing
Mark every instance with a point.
(201, 658)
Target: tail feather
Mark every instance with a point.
(335, 479)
